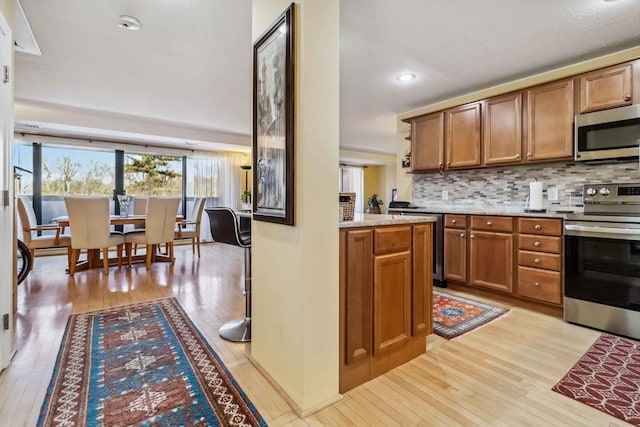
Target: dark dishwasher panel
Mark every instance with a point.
(438, 243)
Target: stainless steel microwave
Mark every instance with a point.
(608, 135)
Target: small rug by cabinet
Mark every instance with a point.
(141, 364)
(455, 315)
(607, 377)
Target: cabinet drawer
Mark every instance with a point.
(540, 260)
(455, 221)
(492, 223)
(549, 244)
(542, 285)
(391, 239)
(549, 227)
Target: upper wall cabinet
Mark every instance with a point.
(462, 136)
(427, 142)
(502, 129)
(606, 88)
(549, 121)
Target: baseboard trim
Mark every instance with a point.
(299, 412)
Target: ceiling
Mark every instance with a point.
(189, 66)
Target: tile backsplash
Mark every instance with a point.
(509, 186)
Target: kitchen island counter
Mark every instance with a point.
(375, 220)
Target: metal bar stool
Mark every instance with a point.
(225, 228)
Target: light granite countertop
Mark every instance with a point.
(480, 210)
(374, 220)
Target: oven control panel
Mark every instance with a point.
(612, 198)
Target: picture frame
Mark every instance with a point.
(273, 122)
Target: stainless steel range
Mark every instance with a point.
(602, 260)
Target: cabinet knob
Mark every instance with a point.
(537, 285)
(529, 155)
(537, 227)
(627, 97)
(537, 260)
(472, 236)
(462, 235)
(448, 163)
(453, 221)
(517, 156)
(489, 223)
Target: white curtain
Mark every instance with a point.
(352, 180)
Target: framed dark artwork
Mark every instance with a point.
(273, 122)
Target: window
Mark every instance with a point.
(351, 180)
(152, 175)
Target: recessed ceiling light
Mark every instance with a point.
(129, 23)
(405, 77)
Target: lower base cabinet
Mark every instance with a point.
(386, 276)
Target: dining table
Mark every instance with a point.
(93, 255)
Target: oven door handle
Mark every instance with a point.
(603, 232)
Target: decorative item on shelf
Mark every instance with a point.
(406, 160)
(374, 204)
(245, 198)
(347, 203)
(124, 201)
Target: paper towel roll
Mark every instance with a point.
(535, 196)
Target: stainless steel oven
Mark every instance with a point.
(602, 260)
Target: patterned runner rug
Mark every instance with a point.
(141, 364)
(607, 377)
(454, 315)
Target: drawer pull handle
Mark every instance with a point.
(453, 221)
(537, 285)
(537, 260)
(462, 235)
(489, 223)
(537, 227)
(536, 244)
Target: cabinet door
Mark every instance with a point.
(502, 129)
(462, 135)
(427, 142)
(606, 88)
(357, 296)
(422, 283)
(491, 264)
(391, 301)
(549, 116)
(455, 255)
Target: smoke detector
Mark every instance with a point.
(129, 23)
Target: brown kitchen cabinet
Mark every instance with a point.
(462, 136)
(427, 142)
(606, 88)
(455, 247)
(502, 129)
(491, 253)
(386, 276)
(549, 121)
(540, 259)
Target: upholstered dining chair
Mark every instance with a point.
(139, 208)
(91, 230)
(30, 228)
(159, 228)
(226, 228)
(190, 228)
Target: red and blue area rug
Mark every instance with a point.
(455, 315)
(142, 364)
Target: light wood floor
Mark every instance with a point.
(498, 375)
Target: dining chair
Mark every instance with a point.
(226, 228)
(159, 228)
(91, 230)
(30, 229)
(190, 228)
(139, 208)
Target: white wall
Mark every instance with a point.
(295, 269)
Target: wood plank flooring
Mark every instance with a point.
(498, 375)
